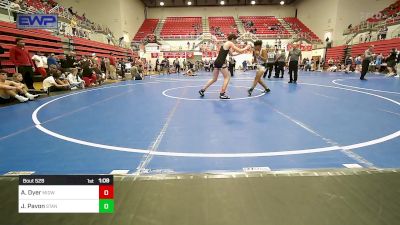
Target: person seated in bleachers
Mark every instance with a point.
(53, 82)
(74, 79)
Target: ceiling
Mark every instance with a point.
(182, 3)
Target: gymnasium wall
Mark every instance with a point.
(331, 17)
(123, 17)
(278, 11)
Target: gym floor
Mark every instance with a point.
(162, 126)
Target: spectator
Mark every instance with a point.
(74, 79)
(20, 57)
(37, 58)
(384, 32)
(135, 73)
(348, 64)
(52, 60)
(100, 77)
(95, 60)
(10, 89)
(74, 24)
(368, 37)
(107, 66)
(18, 79)
(88, 76)
(109, 38)
(177, 65)
(70, 10)
(244, 64)
(120, 40)
(398, 64)
(103, 65)
(70, 61)
(113, 67)
(358, 62)
(378, 62)
(15, 6)
(52, 82)
(361, 38)
(391, 62)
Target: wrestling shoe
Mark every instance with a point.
(250, 91)
(223, 96)
(201, 92)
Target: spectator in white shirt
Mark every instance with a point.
(38, 59)
(52, 82)
(74, 79)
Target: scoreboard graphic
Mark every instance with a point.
(66, 194)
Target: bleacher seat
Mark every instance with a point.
(87, 47)
(335, 53)
(226, 24)
(181, 26)
(297, 25)
(383, 46)
(264, 25)
(35, 40)
(148, 27)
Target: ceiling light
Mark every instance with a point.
(189, 3)
(162, 3)
(282, 2)
(222, 2)
(253, 2)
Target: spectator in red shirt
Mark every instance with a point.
(113, 67)
(20, 57)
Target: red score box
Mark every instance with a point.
(106, 192)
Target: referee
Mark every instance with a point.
(294, 57)
(368, 55)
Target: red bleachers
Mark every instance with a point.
(226, 24)
(148, 27)
(263, 24)
(35, 40)
(383, 47)
(87, 47)
(389, 11)
(297, 25)
(175, 26)
(335, 53)
(39, 5)
(44, 41)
